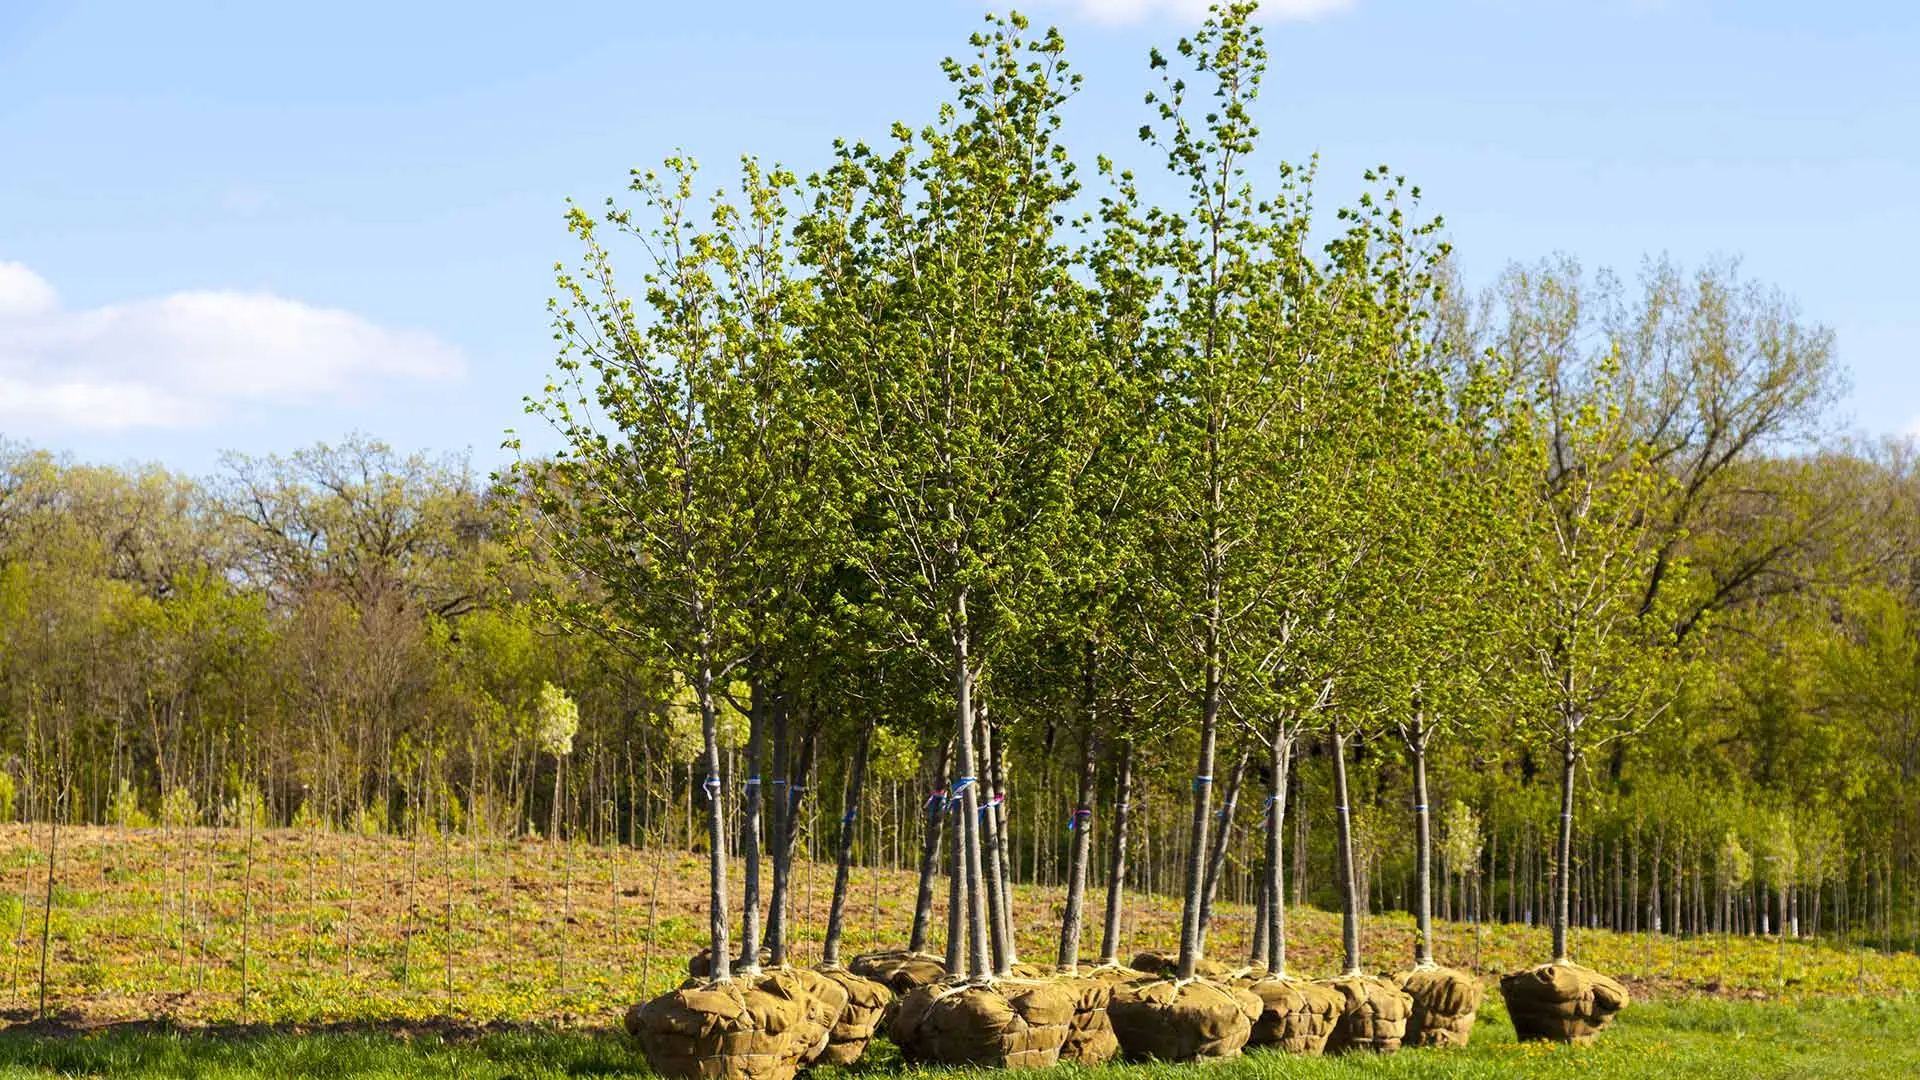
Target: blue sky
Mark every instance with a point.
(254, 226)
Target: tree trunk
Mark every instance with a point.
(750, 831)
(1423, 844)
(997, 816)
(790, 789)
(1222, 838)
(967, 790)
(843, 856)
(1190, 942)
(716, 826)
(998, 939)
(1259, 950)
(956, 896)
(1349, 893)
(1117, 865)
(1280, 760)
(930, 851)
(553, 812)
(1068, 958)
(1563, 848)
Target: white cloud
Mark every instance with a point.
(1130, 11)
(189, 359)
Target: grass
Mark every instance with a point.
(1854, 1038)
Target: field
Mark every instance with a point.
(447, 957)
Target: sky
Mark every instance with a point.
(253, 227)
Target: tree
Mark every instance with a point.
(1591, 663)
(655, 501)
(952, 345)
(556, 722)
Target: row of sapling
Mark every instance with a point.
(916, 432)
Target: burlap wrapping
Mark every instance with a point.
(1373, 1015)
(1090, 1039)
(1445, 1002)
(1181, 1021)
(866, 1008)
(825, 1000)
(903, 972)
(1012, 1023)
(1167, 965)
(732, 1030)
(1563, 1002)
(1295, 1016)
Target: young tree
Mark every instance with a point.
(952, 347)
(1593, 665)
(655, 501)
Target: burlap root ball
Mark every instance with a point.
(825, 1000)
(1295, 1016)
(1373, 1015)
(866, 1009)
(731, 1030)
(903, 972)
(1562, 1002)
(1445, 1002)
(1008, 1024)
(1090, 1038)
(1156, 1019)
(1167, 965)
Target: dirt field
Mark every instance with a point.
(327, 928)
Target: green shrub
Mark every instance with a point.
(180, 810)
(124, 808)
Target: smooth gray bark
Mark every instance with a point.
(1350, 897)
(930, 852)
(978, 961)
(1563, 850)
(1280, 759)
(1117, 865)
(1222, 839)
(1068, 957)
(996, 892)
(956, 895)
(1002, 860)
(789, 795)
(750, 833)
(716, 825)
(1257, 950)
(1190, 942)
(843, 854)
(1423, 844)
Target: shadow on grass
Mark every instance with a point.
(331, 1052)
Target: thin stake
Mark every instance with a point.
(653, 911)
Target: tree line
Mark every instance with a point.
(962, 482)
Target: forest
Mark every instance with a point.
(1156, 531)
